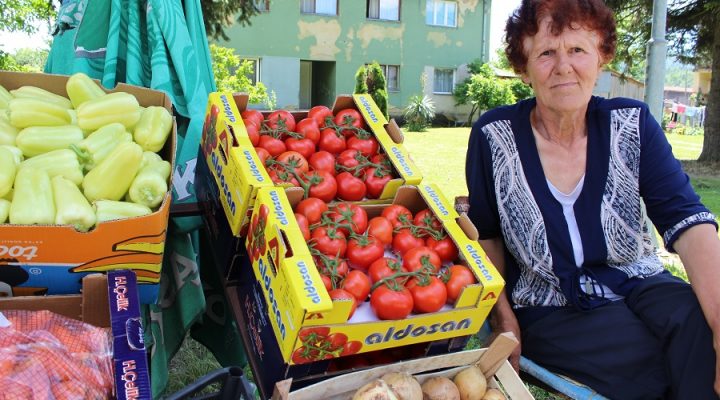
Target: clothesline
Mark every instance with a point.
(687, 115)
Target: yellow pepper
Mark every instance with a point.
(150, 184)
(114, 107)
(72, 208)
(26, 112)
(8, 133)
(107, 210)
(63, 162)
(17, 153)
(33, 201)
(153, 129)
(4, 210)
(32, 92)
(80, 88)
(111, 179)
(37, 140)
(100, 143)
(5, 97)
(149, 157)
(8, 168)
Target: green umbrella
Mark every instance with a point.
(160, 44)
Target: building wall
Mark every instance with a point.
(612, 84)
(283, 37)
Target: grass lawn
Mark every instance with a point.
(440, 155)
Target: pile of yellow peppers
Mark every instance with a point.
(80, 160)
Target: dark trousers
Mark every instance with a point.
(655, 344)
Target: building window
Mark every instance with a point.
(327, 7)
(392, 76)
(441, 13)
(444, 80)
(383, 9)
(254, 74)
(262, 5)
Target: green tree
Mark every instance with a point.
(31, 59)
(234, 75)
(483, 90)
(370, 79)
(23, 15)
(219, 15)
(693, 33)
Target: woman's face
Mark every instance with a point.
(562, 69)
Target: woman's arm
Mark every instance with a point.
(502, 317)
(699, 250)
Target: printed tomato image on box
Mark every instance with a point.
(89, 182)
(355, 284)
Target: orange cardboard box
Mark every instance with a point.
(38, 259)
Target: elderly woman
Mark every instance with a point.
(556, 186)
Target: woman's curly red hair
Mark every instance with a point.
(593, 15)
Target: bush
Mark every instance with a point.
(419, 113)
(232, 75)
(370, 79)
(483, 90)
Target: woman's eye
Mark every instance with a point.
(545, 53)
(578, 50)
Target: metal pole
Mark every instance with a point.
(657, 52)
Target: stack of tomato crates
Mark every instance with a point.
(336, 253)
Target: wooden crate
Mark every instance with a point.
(492, 361)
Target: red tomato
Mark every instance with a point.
(375, 181)
(349, 117)
(419, 258)
(430, 297)
(358, 284)
(426, 218)
(293, 161)
(351, 214)
(350, 188)
(335, 268)
(459, 276)
(312, 208)
(303, 146)
(263, 154)
(397, 215)
(329, 241)
(303, 355)
(331, 142)
(280, 177)
(405, 240)
(313, 334)
(327, 282)
(253, 117)
(368, 147)
(304, 225)
(381, 229)
(384, 267)
(322, 185)
(309, 128)
(445, 248)
(389, 304)
(383, 160)
(351, 348)
(322, 161)
(281, 119)
(336, 340)
(273, 145)
(253, 133)
(319, 113)
(340, 294)
(363, 251)
(349, 159)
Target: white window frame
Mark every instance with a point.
(310, 7)
(434, 19)
(262, 5)
(375, 6)
(435, 80)
(256, 70)
(384, 68)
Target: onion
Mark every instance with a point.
(403, 385)
(375, 390)
(440, 389)
(493, 394)
(471, 383)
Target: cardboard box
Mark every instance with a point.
(38, 259)
(239, 173)
(107, 301)
(492, 361)
(297, 299)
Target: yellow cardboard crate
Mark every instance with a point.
(297, 299)
(239, 172)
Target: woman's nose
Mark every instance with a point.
(562, 63)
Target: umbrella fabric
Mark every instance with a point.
(160, 44)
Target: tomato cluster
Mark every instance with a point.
(319, 344)
(330, 156)
(403, 262)
(256, 244)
